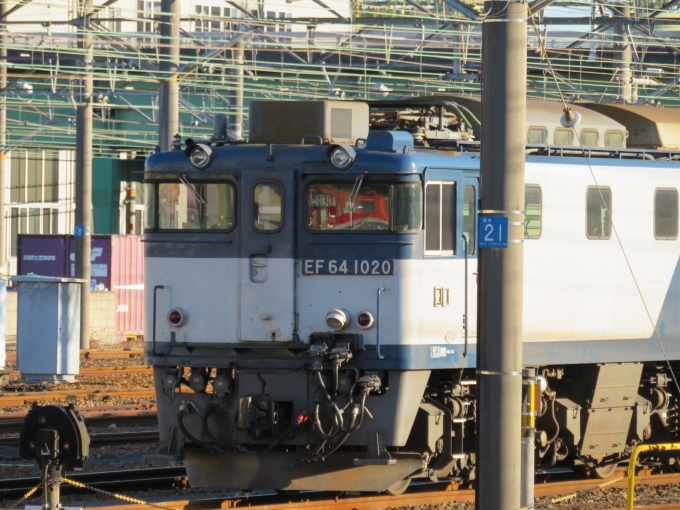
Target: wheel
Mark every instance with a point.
(603, 471)
(674, 464)
(398, 488)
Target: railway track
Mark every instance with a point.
(418, 495)
(104, 438)
(93, 354)
(165, 478)
(123, 415)
(101, 371)
(9, 399)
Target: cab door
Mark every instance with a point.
(450, 255)
(267, 257)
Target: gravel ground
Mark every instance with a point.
(81, 404)
(93, 363)
(601, 499)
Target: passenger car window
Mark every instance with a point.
(613, 139)
(388, 207)
(533, 206)
(537, 135)
(267, 206)
(589, 137)
(469, 215)
(564, 136)
(195, 206)
(598, 213)
(666, 214)
(440, 218)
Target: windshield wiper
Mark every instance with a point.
(353, 197)
(183, 179)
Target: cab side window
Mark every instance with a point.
(440, 218)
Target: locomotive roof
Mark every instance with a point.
(307, 159)
(648, 126)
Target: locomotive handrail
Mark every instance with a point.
(377, 334)
(153, 330)
(631, 466)
(316, 137)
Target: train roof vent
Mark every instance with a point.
(290, 121)
(390, 141)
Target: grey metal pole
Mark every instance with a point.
(3, 138)
(236, 120)
(623, 53)
(83, 213)
(528, 436)
(168, 119)
(130, 201)
(499, 360)
(51, 487)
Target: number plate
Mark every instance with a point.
(348, 267)
(493, 232)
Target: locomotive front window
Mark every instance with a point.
(267, 201)
(149, 205)
(363, 206)
(195, 206)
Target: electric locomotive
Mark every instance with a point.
(313, 294)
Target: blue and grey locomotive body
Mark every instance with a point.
(313, 304)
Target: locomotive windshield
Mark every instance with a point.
(386, 207)
(195, 206)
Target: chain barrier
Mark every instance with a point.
(113, 494)
(24, 497)
(579, 493)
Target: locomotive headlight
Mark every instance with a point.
(342, 156)
(337, 319)
(199, 155)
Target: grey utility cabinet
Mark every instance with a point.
(48, 328)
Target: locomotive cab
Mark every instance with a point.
(284, 278)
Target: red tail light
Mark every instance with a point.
(364, 320)
(175, 317)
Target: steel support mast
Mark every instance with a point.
(236, 120)
(168, 119)
(3, 138)
(83, 213)
(499, 360)
(623, 53)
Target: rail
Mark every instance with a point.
(633, 460)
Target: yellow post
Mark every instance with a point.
(631, 466)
